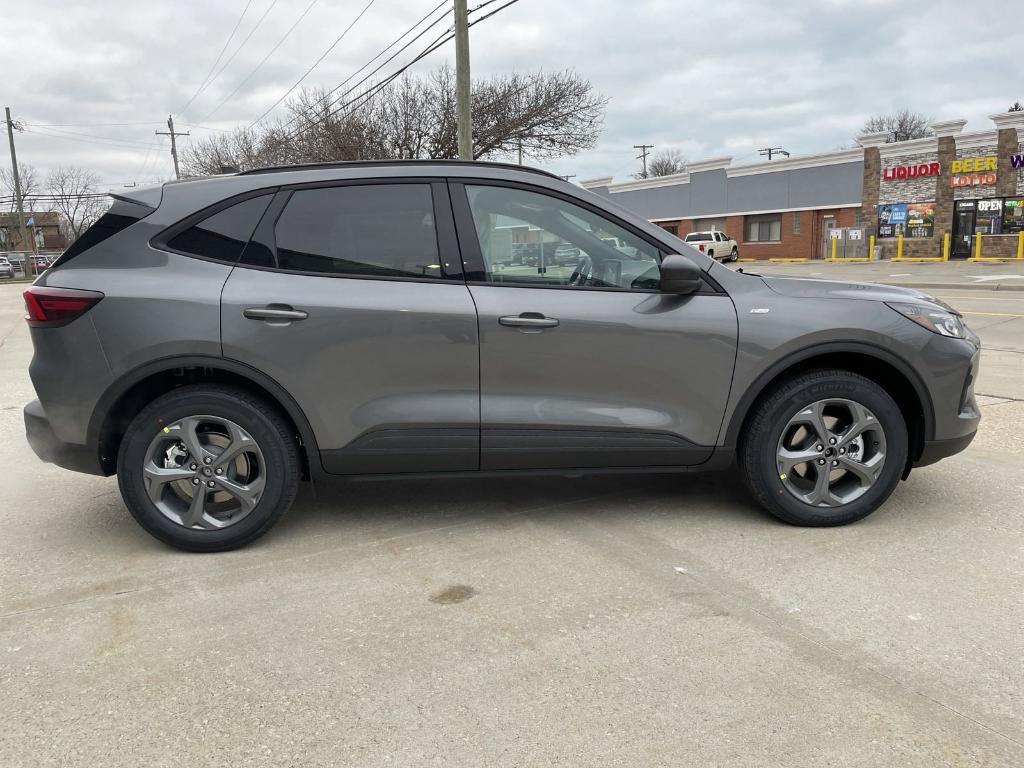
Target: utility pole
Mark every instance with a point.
(520, 150)
(174, 145)
(569, 176)
(643, 155)
(769, 151)
(17, 193)
(464, 117)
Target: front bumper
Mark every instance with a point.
(49, 448)
(936, 450)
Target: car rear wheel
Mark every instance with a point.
(824, 448)
(207, 468)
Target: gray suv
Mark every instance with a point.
(215, 342)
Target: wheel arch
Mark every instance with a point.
(126, 397)
(894, 375)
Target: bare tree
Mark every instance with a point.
(666, 162)
(543, 115)
(75, 198)
(1017, 107)
(901, 126)
(29, 186)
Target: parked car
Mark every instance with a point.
(715, 244)
(216, 342)
(6, 270)
(566, 253)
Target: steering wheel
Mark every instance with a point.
(583, 272)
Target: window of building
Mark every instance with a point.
(1013, 216)
(764, 229)
(373, 230)
(222, 236)
(796, 222)
(858, 217)
(576, 248)
(671, 228)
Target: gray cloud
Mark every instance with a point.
(707, 78)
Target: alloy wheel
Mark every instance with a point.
(831, 452)
(204, 472)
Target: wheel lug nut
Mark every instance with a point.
(842, 451)
(219, 471)
(210, 483)
(207, 460)
(194, 467)
(835, 463)
(821, 461)
(820, 448)
(195, 481)
(831, 441)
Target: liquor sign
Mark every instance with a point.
(921, 220)
(892, 219)
(904, 172)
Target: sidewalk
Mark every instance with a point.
(988, 276)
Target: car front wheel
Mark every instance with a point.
(824, 448)
(207, 468)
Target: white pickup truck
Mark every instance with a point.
(716, 244)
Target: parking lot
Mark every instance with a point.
(635, 621)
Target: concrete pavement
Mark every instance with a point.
(593, 621)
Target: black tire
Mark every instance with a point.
(711, 254)
(735, 254)
(770, 416)
(260, 419)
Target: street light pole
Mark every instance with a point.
(17, 193)
(464, 117)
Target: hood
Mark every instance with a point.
(810, 288)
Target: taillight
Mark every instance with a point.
(51, 307)
(701, 247)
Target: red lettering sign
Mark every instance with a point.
(903, 172)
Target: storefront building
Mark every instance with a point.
(917, 192)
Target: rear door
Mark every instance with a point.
(587, 364)
(351, 297)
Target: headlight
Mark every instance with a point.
(935, 320)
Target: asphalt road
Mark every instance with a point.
(626, 621)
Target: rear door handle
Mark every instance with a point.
(528, 320)
(279, 312)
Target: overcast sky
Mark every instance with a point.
(708, 78)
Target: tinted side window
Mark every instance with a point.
(122, 214)
(372, 230)
(223, 235)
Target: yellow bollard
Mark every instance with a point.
(945, 246)
(977, 245)
(899, 247)
(1020, 245)
(834, 239)
(871, 247)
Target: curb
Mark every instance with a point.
(959, 286)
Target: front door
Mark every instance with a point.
(585, 363)
(351, 297)
(963, 228)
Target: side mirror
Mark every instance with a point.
(679, 275)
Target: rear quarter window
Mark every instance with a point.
(222, 236)
(121, 215)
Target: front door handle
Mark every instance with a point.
(278, 312)
(528, 320)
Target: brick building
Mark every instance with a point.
(953, 183)
(43, 229)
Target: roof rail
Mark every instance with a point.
(347, 163)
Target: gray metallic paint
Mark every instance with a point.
(377, 355)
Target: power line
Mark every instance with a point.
(769, 151)
(391, 58)
(316, 63)
(219, 57)
(263, 61)
(89, 139)
(439, 41)
(93, 125)
(241, 45)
